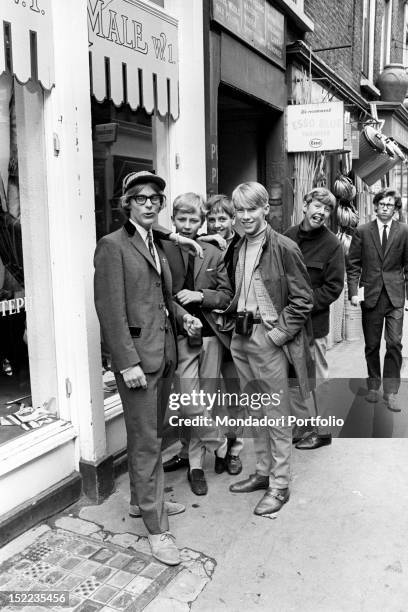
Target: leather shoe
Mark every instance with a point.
(298, 433)
(197, 482)
(391, 399)
(169, 506)
(220, 464)
(234, 464)
(314, 440)
(272, 501)
(372, 396)
(175, 463)
(163, 548)
(254, 482)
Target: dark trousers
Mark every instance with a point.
(144, 411)
(373, 323)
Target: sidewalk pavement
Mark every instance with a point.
(338, 545)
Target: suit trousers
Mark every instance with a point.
(199, 369)
(233, 434)
(144, 411)
(263, 368)
(303, 409)
(373, 322)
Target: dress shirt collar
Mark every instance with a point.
(142, 231)
(380, 225)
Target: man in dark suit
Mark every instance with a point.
(133, 299)
(200, 285)
(378, 264)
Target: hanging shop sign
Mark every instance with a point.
(26, 47)
(133, 48)
(315, 127)
(256, 22)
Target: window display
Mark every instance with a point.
(18, 412)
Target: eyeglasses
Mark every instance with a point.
(386, 205)
(156, 199)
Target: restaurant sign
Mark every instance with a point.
(315, 127)
(26, 44)
(136, 44)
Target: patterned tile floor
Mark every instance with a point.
(99, 576)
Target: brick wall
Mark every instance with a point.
(335, 24)
(339, 22)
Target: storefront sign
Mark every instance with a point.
(13, 306)
(106, 132)
(315, 127)
(256, 22)
(27, 18)
(140, 43)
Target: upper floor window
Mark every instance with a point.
(386, 34)
(367, 64)
(405, 37)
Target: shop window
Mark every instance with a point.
(27, 360)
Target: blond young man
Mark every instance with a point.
(271, 304)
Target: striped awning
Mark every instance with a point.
(133, 55)
(26, 47)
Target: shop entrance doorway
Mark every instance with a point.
(245, 126)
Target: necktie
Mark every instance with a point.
(151, 246)
(189, 278)
(384, 239)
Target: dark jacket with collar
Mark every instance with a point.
(131, 298)
(324, 259)
(368, 267)
(210, 277)
(285, 277)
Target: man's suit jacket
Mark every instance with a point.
(131, 299)
(210, 277)
(368, 267)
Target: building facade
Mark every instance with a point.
(88, 92)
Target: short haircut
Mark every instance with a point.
(384, 193)
(191, 203)
(250, 194)
(218, 204)
(321, 195)
(134, 191)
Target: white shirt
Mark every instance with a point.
(380, 225)
(144, 234)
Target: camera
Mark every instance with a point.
(244, 323)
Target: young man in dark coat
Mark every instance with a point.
(378, 264)
(324, 259)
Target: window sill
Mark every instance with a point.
(37, 442)
(368, 87)
(113, 407)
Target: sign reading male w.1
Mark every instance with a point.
(315, 127)
(139, 43)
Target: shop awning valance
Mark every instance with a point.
(26, 47)
(133, 52)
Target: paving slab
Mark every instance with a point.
(91, 575)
